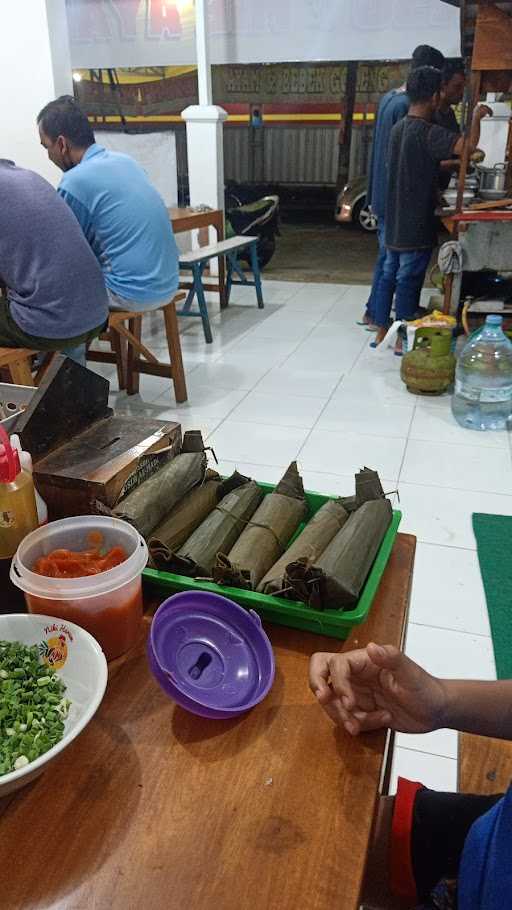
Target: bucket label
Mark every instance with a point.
(498, 395)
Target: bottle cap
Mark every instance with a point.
(494, 320)
(9, 459)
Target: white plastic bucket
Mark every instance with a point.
(108, 605)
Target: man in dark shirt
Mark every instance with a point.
(416, 148)
(452, 93)
(393, 106)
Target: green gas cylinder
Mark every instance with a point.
(429, 369)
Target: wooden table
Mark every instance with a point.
(187, 219)
(154, 807)
(485, 765)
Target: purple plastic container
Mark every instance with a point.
(210, 655)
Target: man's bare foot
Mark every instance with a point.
(365, 320)
(382, 331)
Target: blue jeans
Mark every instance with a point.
(78, 354)
(377, 273)
(403, 273)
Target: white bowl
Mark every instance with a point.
(82, 667)
(450, 196)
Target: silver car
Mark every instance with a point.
(351, 206)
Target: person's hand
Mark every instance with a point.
(483, 110)
(376, 687)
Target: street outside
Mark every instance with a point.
(313, 247)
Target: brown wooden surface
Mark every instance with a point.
(186, 219)
(485, 765)
(493, 39)
(491, 206)
(175, 356)
(155, 808)
(17, 362)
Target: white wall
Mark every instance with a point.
(27, 80)
(155, 152)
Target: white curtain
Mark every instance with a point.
(117, 33)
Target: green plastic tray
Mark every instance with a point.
(337, 624)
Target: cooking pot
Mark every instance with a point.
(493, 178)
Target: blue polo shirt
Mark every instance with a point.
(127, 225)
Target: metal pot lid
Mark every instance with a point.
(497, 168)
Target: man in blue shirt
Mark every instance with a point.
(121, 214)
(393, 106)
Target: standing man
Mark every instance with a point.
(393, 106)
(416, 149)
(122, 215)
(452, 92)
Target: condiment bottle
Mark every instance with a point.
(18, 512)
(26, 464)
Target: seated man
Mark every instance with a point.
(447, 850)
(121, 214)
(55, 294)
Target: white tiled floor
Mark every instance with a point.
(298, 379)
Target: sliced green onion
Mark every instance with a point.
(33, 706)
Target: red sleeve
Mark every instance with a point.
(401, 875)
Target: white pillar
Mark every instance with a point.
(205, 154)
(59, 47)
(28, 80)
(204, 71)
(204, 121)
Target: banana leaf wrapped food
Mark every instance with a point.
(309, 545)
(368, 486)
(153, 500)
(196, 557)
(266, 535)
(335, 580)
(186, 516)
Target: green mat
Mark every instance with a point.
(494, 545)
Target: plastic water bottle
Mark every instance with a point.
(483, 379)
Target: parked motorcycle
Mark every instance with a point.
(259, 218)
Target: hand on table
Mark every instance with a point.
(376, 687)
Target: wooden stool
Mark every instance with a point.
(17, 362)
(124, 334)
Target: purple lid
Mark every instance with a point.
(213, 653)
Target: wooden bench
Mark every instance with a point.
(17, 362)
(132, 357)
(197, 260)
